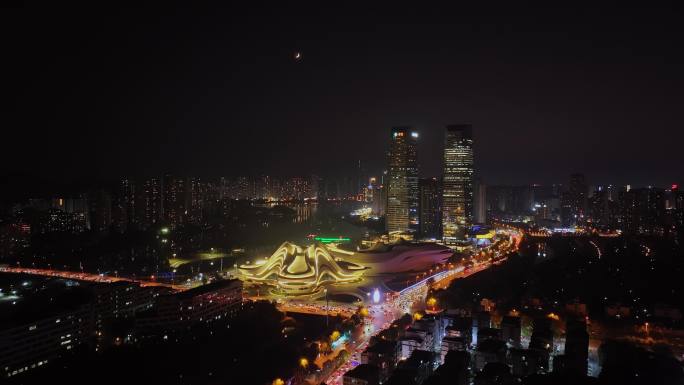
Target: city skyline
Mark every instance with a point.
(289, 194)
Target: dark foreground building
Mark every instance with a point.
(203, 304)
(56, 320)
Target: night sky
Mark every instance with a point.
(100, 93)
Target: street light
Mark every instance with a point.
(326, 306)
(432, 301)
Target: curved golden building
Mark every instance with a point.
(296, 270)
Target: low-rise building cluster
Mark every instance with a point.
(458, 347)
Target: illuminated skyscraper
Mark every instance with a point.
(457, 198)
(402, 181)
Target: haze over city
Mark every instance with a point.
(193, 90)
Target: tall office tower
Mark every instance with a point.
(574, 201)
(430, 207)
(457, 198)
(402, 181)
(480, 202)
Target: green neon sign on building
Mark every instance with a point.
(332, 240)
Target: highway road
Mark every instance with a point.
(80, 276)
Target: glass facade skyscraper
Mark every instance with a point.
(457, 189)
(402, 181)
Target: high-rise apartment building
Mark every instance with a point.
(123, 205)
(195, 193)
(574, 201)
(149, 205)
(174, 198)
(642, 211)
(402, 181)
(430, 207)
(100, 207)
(457, 196)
